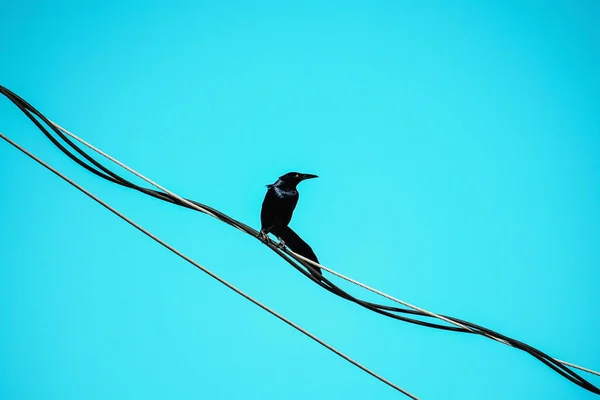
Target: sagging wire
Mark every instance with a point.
(207, 271)
(296, 260)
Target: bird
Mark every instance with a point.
(276, 213)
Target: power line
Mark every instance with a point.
(205, 270)
(294, 259)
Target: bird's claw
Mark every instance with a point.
(262, 236)
(281, 244)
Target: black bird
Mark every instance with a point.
(276, 214)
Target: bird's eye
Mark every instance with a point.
(297, 175)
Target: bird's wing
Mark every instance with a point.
(270, 209)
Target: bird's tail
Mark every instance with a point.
(297, 245)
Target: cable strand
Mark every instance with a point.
(207, 271)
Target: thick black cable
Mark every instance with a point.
(375, 307)
(323, 282)
(26, 108)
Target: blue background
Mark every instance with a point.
(458, 152)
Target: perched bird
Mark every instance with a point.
(276, 214)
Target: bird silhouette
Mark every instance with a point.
(276, 213)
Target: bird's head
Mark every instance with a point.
(291, 179)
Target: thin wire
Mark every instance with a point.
(591, 371)
(207, 271)
(97, 150)
(298, 256)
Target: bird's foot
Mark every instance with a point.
(281, 244)
(263, 237)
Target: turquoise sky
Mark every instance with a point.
(458, 149)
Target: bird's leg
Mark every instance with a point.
(281, 243)
(263, 237)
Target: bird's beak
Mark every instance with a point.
(308, 176)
